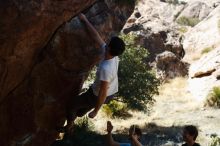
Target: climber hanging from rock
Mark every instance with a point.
(105, 84)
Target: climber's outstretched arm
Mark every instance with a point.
(91, 29)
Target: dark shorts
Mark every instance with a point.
(83, 103)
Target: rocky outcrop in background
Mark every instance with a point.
(179, 35)
(204, 74)
(153, 23)
(201, 44)
(195, 9)
(44, 58)
(204, 35)
(168, 65)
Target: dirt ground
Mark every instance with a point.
(173, 109)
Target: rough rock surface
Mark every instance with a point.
(197, 42)
(202, 36)
(195, 9)
(204, 74)
(157, 32)
(210, 3)
(22, 22)
(201, 44)
(44, 63)
(169, 65)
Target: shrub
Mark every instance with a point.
(213, 98)
(116, 109)
(188, 21)
(183, 29)
(215, 140)
(83, 124)
(84, 134)
(206, 50)
(137, 83)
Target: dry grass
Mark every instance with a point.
(175, 89)
(173, 92)
(173, 109)
(171, 86)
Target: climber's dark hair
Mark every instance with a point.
(116, 46)
(192, 130)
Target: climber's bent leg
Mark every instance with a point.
(80, 105)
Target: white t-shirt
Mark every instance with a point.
(107, 71)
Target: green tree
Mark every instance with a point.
(137, 83)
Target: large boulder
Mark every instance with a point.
(153, 24)
(168, 65)
(44, 60)
(22, 22)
